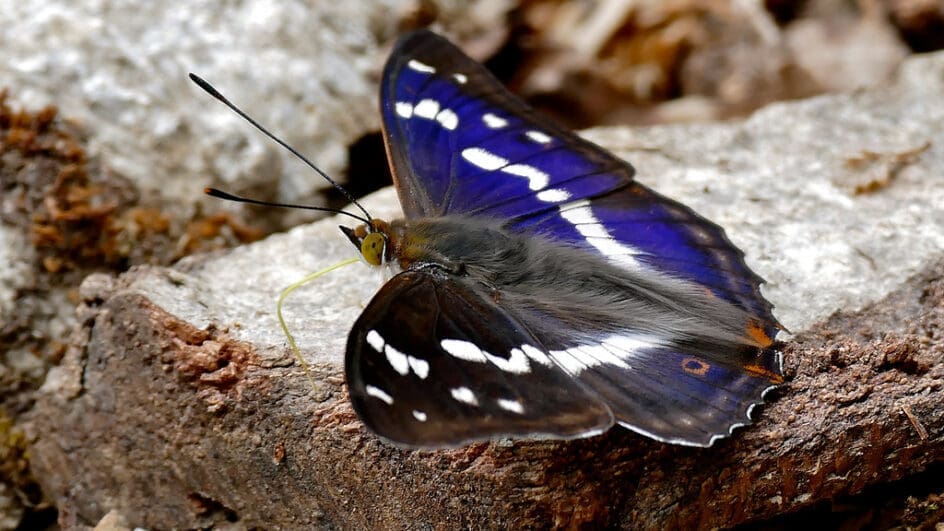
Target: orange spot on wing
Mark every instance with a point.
(764, 373)
(695, 366)
(756, 332)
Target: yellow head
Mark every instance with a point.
(372, 241)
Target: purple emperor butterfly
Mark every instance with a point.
(537, 290)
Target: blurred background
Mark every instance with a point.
(639, 62)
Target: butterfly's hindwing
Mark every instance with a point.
(671, 393)
(638, 228)
(433, 361)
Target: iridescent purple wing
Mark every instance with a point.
(689, 394)
(459, 143)
(637, 228)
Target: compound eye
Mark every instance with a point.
(372, 247)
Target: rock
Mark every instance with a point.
(308, 71)
(194, 414)
(16, 257)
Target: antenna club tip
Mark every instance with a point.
(213, 192)
(202, 83)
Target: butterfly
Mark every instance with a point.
(537, 290)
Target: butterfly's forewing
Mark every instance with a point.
(459, 143)
(434, 361)
(485, 152)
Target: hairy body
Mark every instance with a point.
(583, 290)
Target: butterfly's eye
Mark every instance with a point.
(372, 247)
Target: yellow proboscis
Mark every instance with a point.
(293, 287)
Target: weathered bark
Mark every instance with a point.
(173, 426)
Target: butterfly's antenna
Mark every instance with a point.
(215, 93)
(213, 192)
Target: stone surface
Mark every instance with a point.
(178, 404)
(308, 70)
(16, 273)
(835, 200)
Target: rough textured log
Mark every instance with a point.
(189, 427)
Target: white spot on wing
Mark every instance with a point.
(612, 248)
(571, 363)
(375, 340)
(460, 78)
(595, 230)
(614, 350)
(554, 195)
(580, 215)
(493, 121)
(631, 343)
(463, 350)
(419, 415)
(448, 119)
(465, 395)
(483, 159)
(517, 362)
(426, 109)
(404, 109)
(578, 212)
(537, 179)
(537, 355)
(538, 137)
(421, 67)
(420, 367)
(601, 355)
(510, 405)
(377, 392)
(429, 109)
(397, 360)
